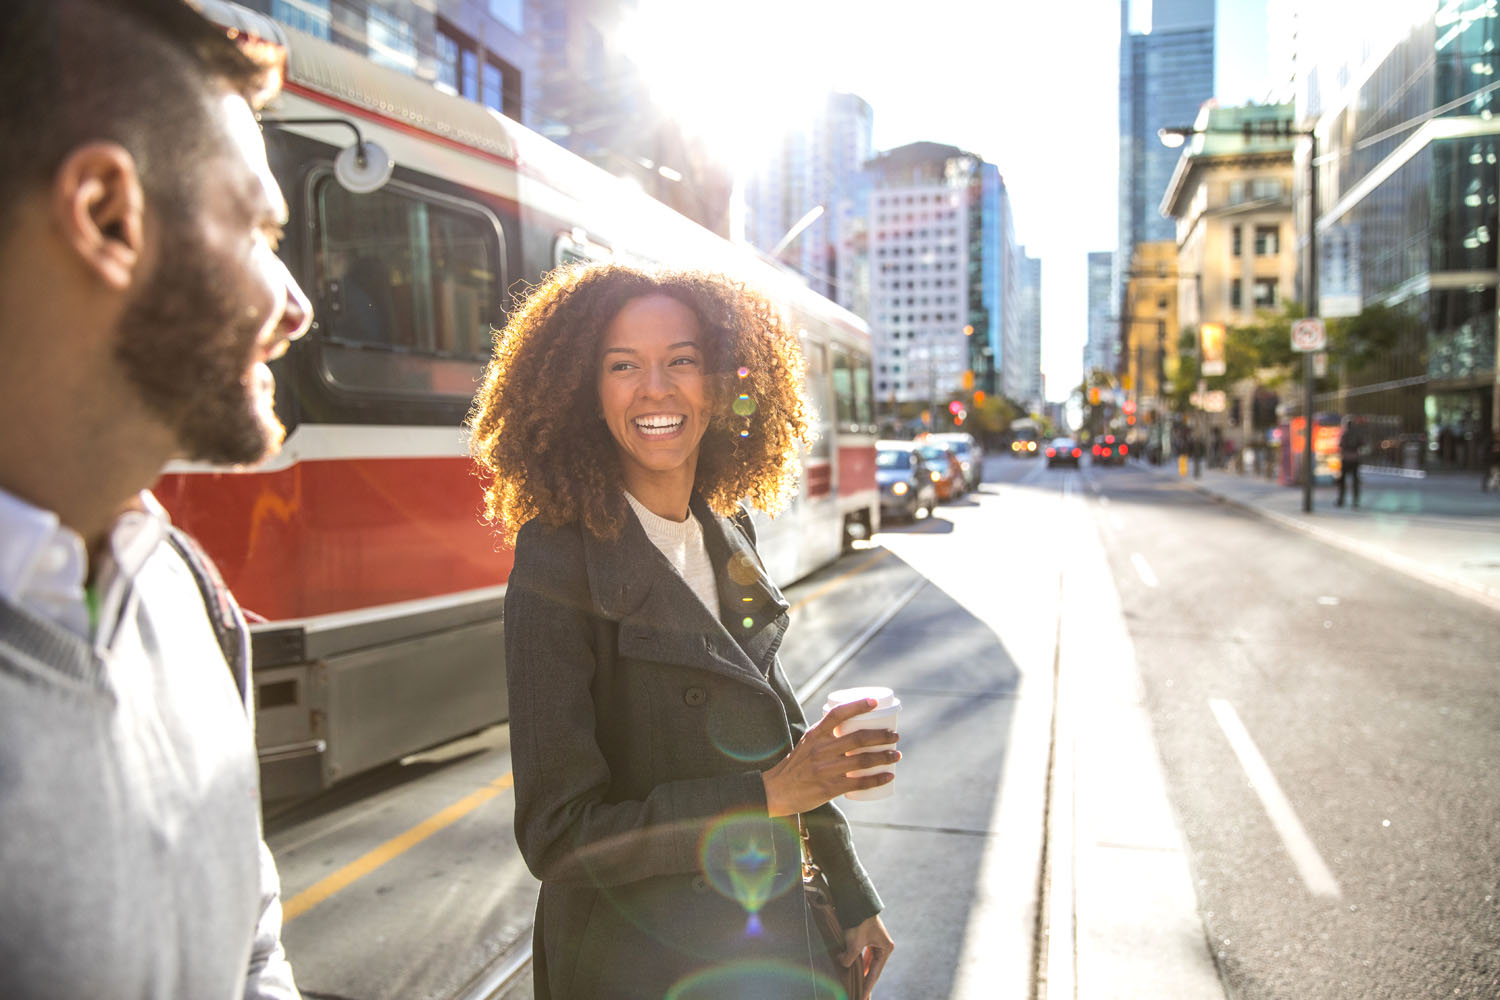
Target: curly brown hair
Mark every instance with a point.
(536, 427)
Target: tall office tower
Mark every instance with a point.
(993, 299)
(920, 265)
(817, 166)
(1103, 333)
(1023, 378)
(1165, 76)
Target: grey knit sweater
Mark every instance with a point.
(131, 861)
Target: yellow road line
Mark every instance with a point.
(393, 848)
(835, 581)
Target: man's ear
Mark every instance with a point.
(98, 203)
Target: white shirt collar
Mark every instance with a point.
(44, 564)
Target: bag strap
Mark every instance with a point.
(223, 611)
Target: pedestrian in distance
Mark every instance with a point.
(142, 293)
(664, 772)
(1351, 449)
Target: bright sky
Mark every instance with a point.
(1031, 87)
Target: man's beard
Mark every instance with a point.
(188, 347)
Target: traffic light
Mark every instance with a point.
(954, 407)
(1093, 395)
(979, 397)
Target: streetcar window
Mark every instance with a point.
(399, 270)
(843, 386)
(864, 399)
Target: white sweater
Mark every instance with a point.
(682, 543)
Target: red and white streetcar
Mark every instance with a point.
(360, 547)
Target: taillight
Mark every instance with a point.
(1124, 449)
(1106, 452)
(1051, 453)
(1077, 452)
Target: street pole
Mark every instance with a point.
(1312, 311)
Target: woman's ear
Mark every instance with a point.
(99, 205)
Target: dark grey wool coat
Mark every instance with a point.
(639, 722)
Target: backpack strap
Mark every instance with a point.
(223, 611)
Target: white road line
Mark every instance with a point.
(1143, 569)
(1310, 865)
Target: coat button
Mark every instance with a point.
(694, 696)
(700, 884)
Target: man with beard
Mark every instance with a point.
(142, 299)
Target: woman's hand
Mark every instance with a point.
(817, 769)
(870, 945)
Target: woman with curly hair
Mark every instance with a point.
(666, 780)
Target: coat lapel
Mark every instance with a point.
(659, 616)
(750, 605)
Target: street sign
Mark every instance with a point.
(1320, 364)
(1309, 335)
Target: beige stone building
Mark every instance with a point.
(1231, 195)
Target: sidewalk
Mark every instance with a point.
(1441, 529)
(1120, 907)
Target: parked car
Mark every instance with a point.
(948, 471)
(970, 456)
(1108, 450)
(1063, 451)
(906, 483)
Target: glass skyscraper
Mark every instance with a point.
(1165, 75)
(1408, 209)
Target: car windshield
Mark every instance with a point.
(892, 459)
(935, 453)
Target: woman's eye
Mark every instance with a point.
(619, 366)
(684, 361)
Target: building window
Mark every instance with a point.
(311, 16)
(500, 87)
(1236, 241)
(1265, 187)
(1236, 294)
(1267, 241)
(1265, 293)
(391, 40)
(458, 61)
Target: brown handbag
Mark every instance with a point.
(820, 904)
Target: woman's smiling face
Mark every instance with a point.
(653, 392)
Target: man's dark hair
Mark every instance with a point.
(136, 72)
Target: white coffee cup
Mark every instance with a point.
(885, 715)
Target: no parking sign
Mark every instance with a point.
(1309, 334)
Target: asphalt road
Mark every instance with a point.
(1360, 857)
(406, 883)
(1329, 732)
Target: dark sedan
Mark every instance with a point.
(907, 485)
(1109, 450)
(1063, 451)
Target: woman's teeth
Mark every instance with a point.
(658, 426)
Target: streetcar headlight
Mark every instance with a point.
(935, 476)
(899, 489)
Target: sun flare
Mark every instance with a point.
(732, 74)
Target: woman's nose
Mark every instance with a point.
(656, 382)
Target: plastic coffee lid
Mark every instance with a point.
(884, 697)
